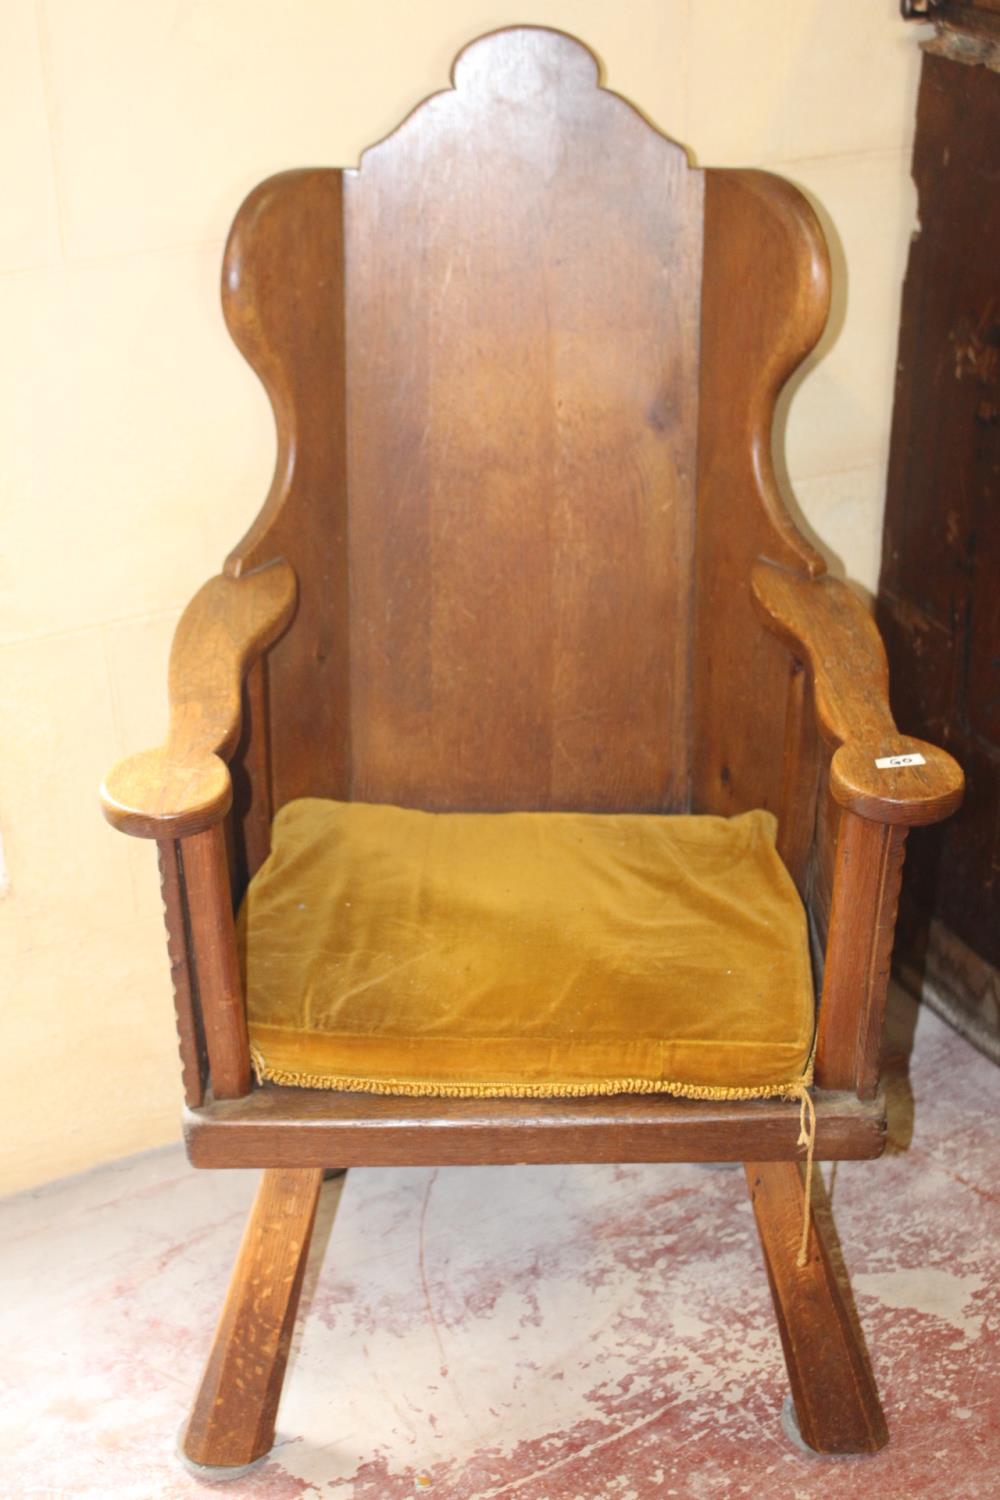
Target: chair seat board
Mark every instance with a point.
(274, 1126)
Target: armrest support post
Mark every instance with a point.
(213, 938)
(868, 868)
(190, 1032)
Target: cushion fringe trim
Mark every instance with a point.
(601, 1088)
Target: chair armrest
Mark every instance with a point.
(183, 786)
(823, 623)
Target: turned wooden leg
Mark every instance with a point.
(836, 1399)
(232, 1420)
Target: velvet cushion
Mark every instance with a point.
(552, 954)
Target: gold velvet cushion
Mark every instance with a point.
(405, 952)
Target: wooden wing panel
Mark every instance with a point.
(765, 300)
(282, 291)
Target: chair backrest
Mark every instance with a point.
(523, 362)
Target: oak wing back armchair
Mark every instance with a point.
(524, 553)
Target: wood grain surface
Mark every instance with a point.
(184, 786)
(232, 1420)
(317, 1127)
(187, 1009)
(523, 259)
(939, 600)
(283, 297)
(836, 1399)
(827, 625)
(765, 295)
(868, 866)
(213, 943)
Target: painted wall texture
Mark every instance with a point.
(137, 446)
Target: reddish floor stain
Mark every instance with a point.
(579, 1333)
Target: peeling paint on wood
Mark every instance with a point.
(939, 603)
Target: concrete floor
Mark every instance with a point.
(554, 1333)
